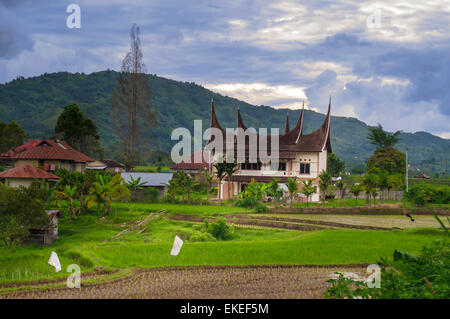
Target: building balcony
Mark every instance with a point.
(265, 173)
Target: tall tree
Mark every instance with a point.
(381, 138)
(131, 111)
(79, 131)
(335, 165)
(292, 186)
(324, 183)
(308, 189)
(11, 135)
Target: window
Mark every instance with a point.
(251, 166)
(305, 168)
(281, 166)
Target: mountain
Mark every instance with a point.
(35, 103)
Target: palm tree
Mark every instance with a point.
(220, 173)
(118, 190)
(209, 179)
(341, 187)
(383, 183)
(230, 169)
(308, 189)
(325, 180)
(292, 186)
(370, 184)
(356, 189)
(381, 138)
(275, 190)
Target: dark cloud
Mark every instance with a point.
(194, 41)
(13, 39)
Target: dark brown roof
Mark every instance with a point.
(289, 143)
(286, 127)
(184, 165)
(51, 149)
(27, 171)
(112, 163)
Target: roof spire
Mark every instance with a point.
(286, 127)
(240, 123)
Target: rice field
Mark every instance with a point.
(204, 283)
(94, 246)
(391, 221)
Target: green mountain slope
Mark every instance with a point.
(37, 102)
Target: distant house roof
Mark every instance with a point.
(151, 179)
(27, 171)
(112, 163)
(47, 149)
(184, 165)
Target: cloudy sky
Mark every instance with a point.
(383, 62)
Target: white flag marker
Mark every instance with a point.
(177, 243)
(54, 261)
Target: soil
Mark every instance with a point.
(273, 282)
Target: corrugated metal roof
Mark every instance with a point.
(151, 179)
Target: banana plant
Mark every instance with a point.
(69, 195)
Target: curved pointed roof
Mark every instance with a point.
(319, 139)
(214, 120)
(240, 123)
(286, 126)
(292, 141)
(293, 136)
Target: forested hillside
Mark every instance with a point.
(35, 103)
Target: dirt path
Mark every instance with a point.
(207, 282)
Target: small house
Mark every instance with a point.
(107, 165)
(24, 175)
(48, 234)
(47, 154)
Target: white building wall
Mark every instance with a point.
(311, 158)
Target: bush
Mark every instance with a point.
(201, 236)
(252, 203)
(219, 230)
(407, 277)
(149, 195)
(422, 194)
(20, 209)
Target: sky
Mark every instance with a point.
(384, 62)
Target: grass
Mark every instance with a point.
(151, 169)
(184, 209)
(88, 244)
(352, 202)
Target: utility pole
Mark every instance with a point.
(406, 169)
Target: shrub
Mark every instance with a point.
(407, 276)
(422, 194)
(219, 230)
(149, 195)
(201, 236)
(252, 203)
(20, 210)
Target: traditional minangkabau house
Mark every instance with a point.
(300, 155)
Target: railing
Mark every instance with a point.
(264, 173)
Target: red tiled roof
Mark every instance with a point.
(27, 171)
(20, 148)
(49, 149)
